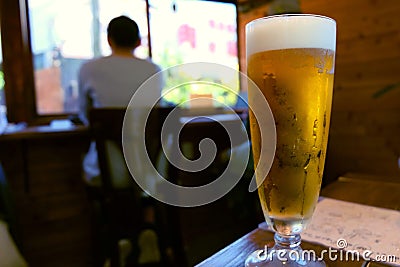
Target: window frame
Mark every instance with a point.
(18, 65)
(17, 61)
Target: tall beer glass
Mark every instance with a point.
(291, 59)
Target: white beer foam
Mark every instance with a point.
(303, 31)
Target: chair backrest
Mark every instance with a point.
(106, 127)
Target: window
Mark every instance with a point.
(41, 62)
(180, 35)
(64, 34)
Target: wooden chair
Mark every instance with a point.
(116, 210)
(120, 205)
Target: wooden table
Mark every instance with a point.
(369, 190)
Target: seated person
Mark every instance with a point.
(111, 81)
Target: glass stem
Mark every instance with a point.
(287, 241)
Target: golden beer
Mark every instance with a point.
(291, 59)
(297, 84)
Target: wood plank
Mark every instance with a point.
(53, 208)
(376, 122)
(382, 46)
(339, 164)
(368, 70)
(362, 146)
(357, 101)
(56, 237)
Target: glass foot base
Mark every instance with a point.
(284, 258)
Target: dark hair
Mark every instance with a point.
(123, 31)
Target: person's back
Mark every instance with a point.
(111, 81)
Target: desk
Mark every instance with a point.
(345, 188)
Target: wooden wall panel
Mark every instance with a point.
(51, 205)
(365, 127)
